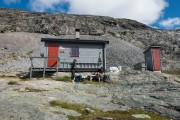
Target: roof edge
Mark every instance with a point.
(152, 46)
(58, 40)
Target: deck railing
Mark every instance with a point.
(44, 61)
(41, 64)
(79, 65)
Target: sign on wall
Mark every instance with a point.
(61, 49)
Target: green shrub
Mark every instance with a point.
(13, 83)
(34, 90)
(64, 78)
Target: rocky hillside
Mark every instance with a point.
(138, 34)
(16, 47)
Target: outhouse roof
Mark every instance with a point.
(74, 41)
(152, 46)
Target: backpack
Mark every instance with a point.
(79, 78)
(106, 78)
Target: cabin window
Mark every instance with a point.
(74, 51)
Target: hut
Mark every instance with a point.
(59, 54)
(90, 54)
(153, 58)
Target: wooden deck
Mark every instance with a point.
(65, 66)
(54, 69)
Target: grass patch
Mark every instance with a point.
(70, 106)
(35, 74)
(34, 90)
(64, 79)
(2, 76)
(12, 83)
(99, 114)
(85, 81)
(117, 115)
(174, 72)
(29, 53)
(93, 82)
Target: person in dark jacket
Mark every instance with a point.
(73, 66)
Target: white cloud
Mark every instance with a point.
(8, 2)
(145, 11)
(43, 5)
(170, 23)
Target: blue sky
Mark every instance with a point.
(163, 14)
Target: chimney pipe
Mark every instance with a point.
(77, 33)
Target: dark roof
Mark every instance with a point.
(59, 40)
(152, 46)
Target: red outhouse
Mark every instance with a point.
(153, 58)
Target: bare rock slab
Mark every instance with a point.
(141, 116)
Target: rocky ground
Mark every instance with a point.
(131, 89)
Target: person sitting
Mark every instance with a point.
(78, 78)
(100, 70)
(98, 75)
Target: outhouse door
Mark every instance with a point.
(52, 52)
(156, 59)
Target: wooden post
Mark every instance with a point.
(104, 57)
(31, 67)
(30, 73)
(57, 66)
(45, 60)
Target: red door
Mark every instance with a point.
(156, 59)
(52, 52)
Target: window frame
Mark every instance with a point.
(72, 54)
